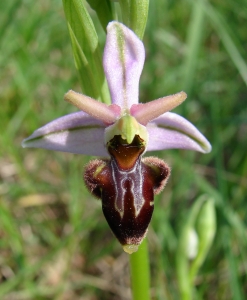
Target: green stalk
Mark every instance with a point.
(140, 276)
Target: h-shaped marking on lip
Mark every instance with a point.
(134, 176)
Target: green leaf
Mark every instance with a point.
(87, 54)
(104, 11)
(135, 14)
(125, 9)
(138, 16)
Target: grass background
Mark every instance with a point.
(54, 241)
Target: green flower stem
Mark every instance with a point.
(140, 276)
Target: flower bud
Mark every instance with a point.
(206, 228)
(195, 240)
(192, 244)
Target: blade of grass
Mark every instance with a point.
(224, 33)
(13, 235)
(32, 269)
(194, 39)
(237, 293)
(9, 15)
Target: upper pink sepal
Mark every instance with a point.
(123, 61)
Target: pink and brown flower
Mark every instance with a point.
(122, 132)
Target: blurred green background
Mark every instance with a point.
(54, 241)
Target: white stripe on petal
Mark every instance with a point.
(171, 131)
(75, 133)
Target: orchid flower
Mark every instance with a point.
(122, 132)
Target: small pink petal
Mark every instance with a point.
(149, 111)
(115, 109)
(94, 108)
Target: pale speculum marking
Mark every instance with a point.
(134, 176)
